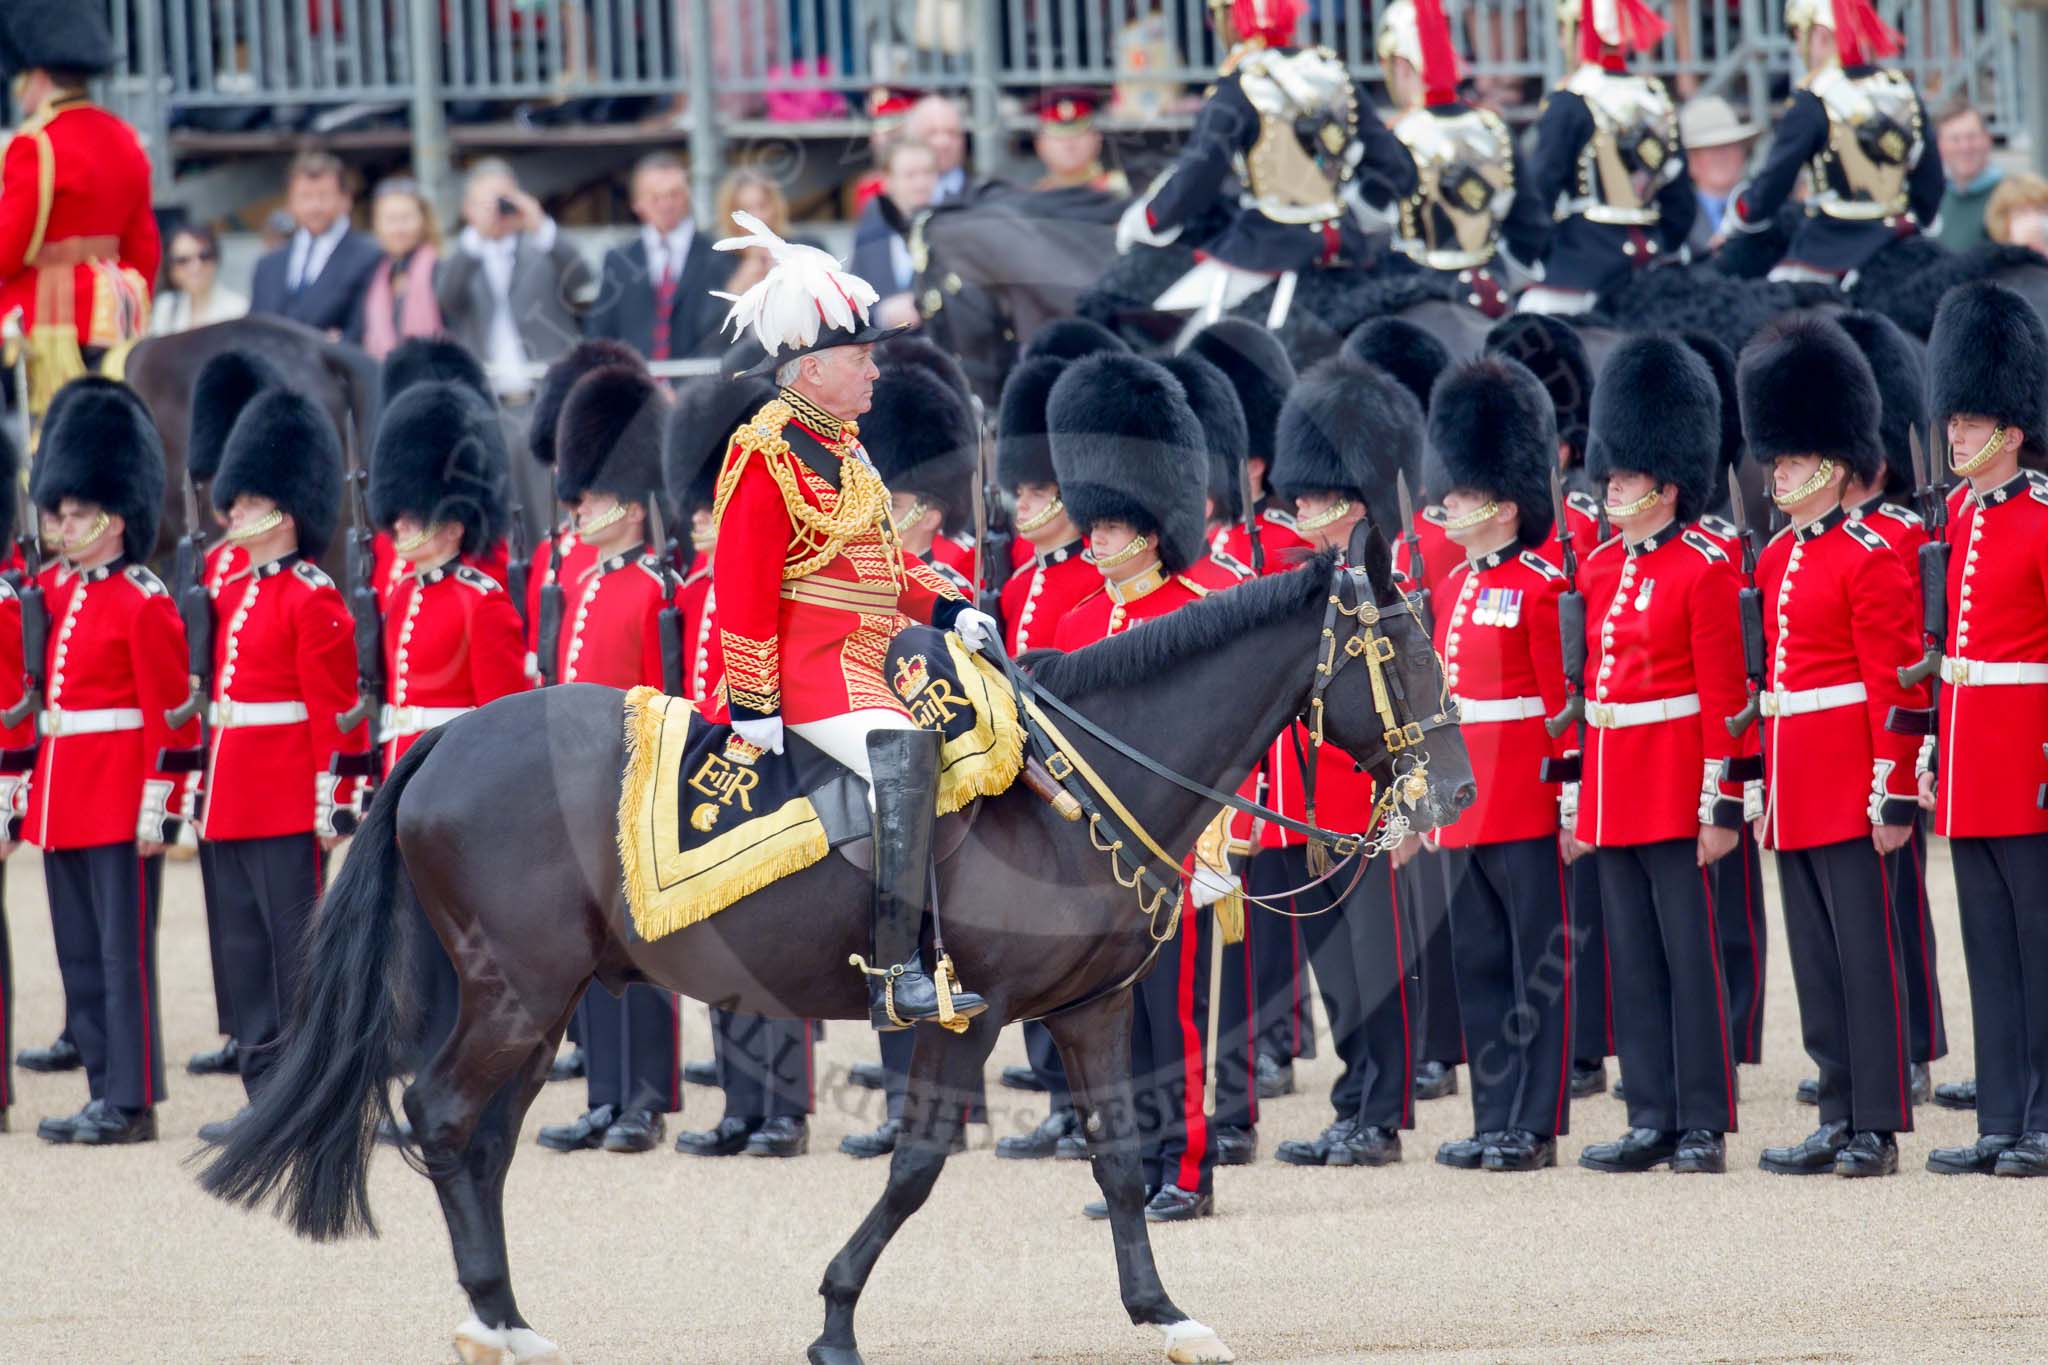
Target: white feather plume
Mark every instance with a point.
(803, 291)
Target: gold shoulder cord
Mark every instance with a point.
(863, 500)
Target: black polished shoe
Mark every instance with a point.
(883, 1141)
(2027, 1157)
(3, 1118)
(1175, 1205)
(56, 1128)
(1979, 1158)
(1620, 1095)
(1097, 1209)
(1465, 1153)
(100, 1124)
(636, 1130)
(220, 1130)
(868, 1076)
(702, 1072)
(1869, 1153)
(1275, 1077)
(1041, 1142)
(1367, 1144)
(61, 1055)
(1520, 1150)
(567, 1066)
(1434, 1080)
(1588, 1079)
(1236, 1146)
(1701, 1152)
(1957, 1094)
(1313, 1151)
(782, 1136)
(1021, 1078)
(224, 1060)
(1072, 1147)
(729, 1138)
(585, 1134)
(1808, 1091)
(1813, 1156)
(1639, 1149)
(1920, 1084)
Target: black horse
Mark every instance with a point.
(526, 896)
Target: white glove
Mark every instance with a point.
(1134, 228)
(978, 629)
(762, 734)
(1210, 886)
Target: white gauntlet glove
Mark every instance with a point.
(978, 629)
(765, 733)
(1210, 886)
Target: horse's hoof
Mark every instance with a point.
(529, 1347)
(477, 1344)
(1190, 1343)
(823, 1353)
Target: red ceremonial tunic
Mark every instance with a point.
(956, 553)
(1281, 546)
(451, 644)
(1217, 571)
(1042, 592)
(812, 583)
(13, 786)
(1664, 654)
(1905, 532)
(1839, 624)
(576, 557)
(116, 664)
(1581, 514)
(700, 637)
(1440, 554)
(1113, 609)
(75, 201)
(391, 570)
(1496, 630)
(284, 667)
(1994, 684)
(612, 632)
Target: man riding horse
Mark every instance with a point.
(812, 583)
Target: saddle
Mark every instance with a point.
(705, 819)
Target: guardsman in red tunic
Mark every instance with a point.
(812, 584)
(924, 447)
(1664, 654)
(1988, 355)
(1126, 451)
(1416, 359)
(19, 739)
(1838, 627)
(1492, 445)
(78, 244)
(1345, 430)
(1884, 506)
(284, 670)
(99, 801)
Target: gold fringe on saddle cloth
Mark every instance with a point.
(669, 888)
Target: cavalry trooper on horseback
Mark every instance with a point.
(78, 244)
(1608, 161)
(812, 584)
(1472, 214)
(1318, 170)
(1863, 131)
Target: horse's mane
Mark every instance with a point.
(1142, 655)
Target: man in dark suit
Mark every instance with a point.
(514, 287)
(655, 294)
(320, 274)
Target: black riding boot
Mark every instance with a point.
(905, 765)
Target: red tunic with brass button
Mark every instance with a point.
(700, 641)
(812, 583)
(451, 643)
(1217, 571)
(391, 570)
(1496, 631)
(1114, 608)
(611, 628)
(1281, 547)
(1994, 693)
(75, 201)
(1042, 592)
(286, 644)
(576, 557)
(1838, 619)
(13, 786)
(116, 664)
(1905, 532)
(1663, 631)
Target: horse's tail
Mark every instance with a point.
(308, 1135)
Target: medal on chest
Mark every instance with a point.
(1643, 594)
(1498, 607)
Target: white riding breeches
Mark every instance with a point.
(844, 739)
(1540, 298)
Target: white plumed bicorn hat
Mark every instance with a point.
(805, 303)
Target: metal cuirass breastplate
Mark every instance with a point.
(1634, 150)
(1465, 172)
(1875, 139)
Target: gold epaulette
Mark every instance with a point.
(819, 535)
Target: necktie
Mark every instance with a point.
(664, 301)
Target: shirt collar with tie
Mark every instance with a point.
(310, 254)
(666, 251)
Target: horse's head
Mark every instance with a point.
(963, 315)
(1379, 691)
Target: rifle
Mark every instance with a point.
(1414, 552)
(1751, 604)
(519, 561)
(35, 615)
(16, 357)
(548, 635)
(195, 608)
(361, 559)
(1255, 553)
(992, 539)
(669, 623)
(1911, 720)
(1571, 629)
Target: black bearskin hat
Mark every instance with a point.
(55, 35)
(1493, 429)
(1657, 411)
(1223, 429)
(921, 437)
(1352, 427)
(700, 428)
(1551, 349)
(283, 448)
(103, 448)
(608, 438)
(227, 383)
(422, 360)
(592, 353)
(912, 349)
(1986, 357)
(1072, 339)
(1807, 390)
(1257, 366)
(1899, 363)
(1022, 452)
(1404, 351)
(1127, 447)
(440, 457)
(1721, 364)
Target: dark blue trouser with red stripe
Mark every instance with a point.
(1169, 1022)
(1738, 882)
(632, 1048)
(264, 891)
(1364, 964)
(1905, 874)
(765, 1066)
(1592, 1000)
(103, 915)
(1279, 966)
(2005, 946)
